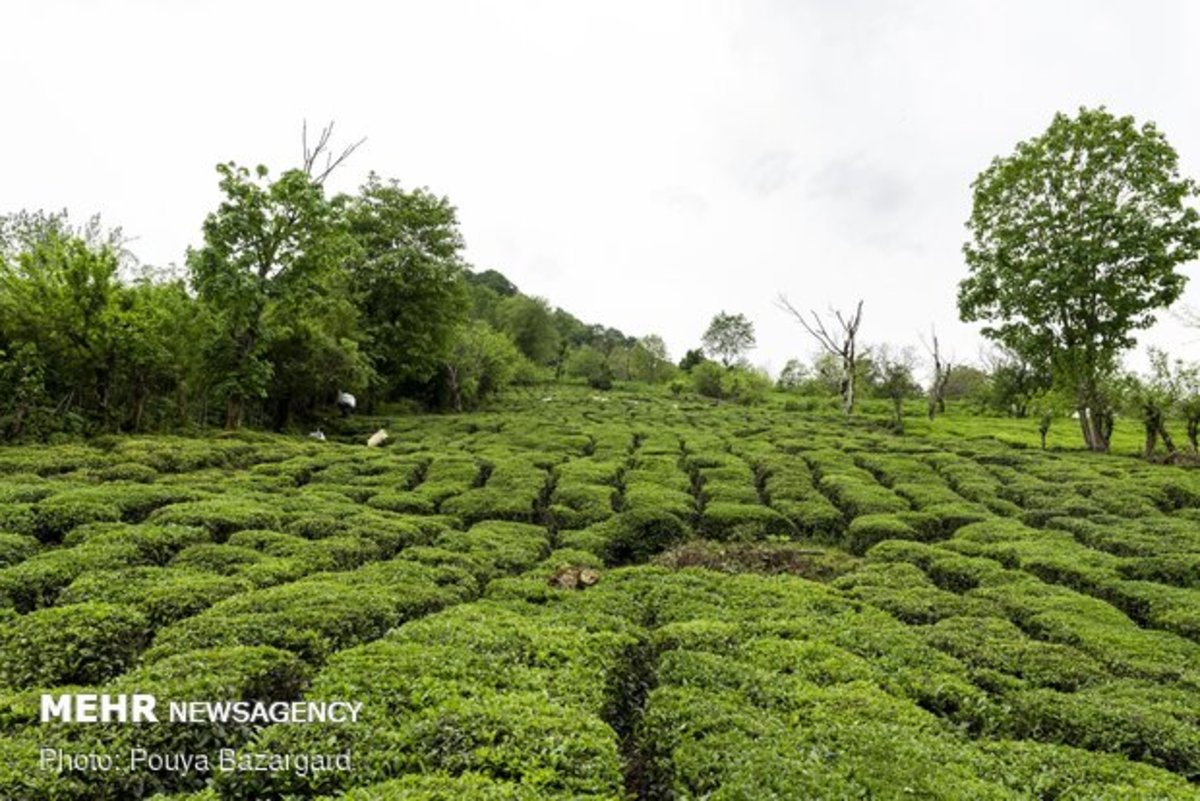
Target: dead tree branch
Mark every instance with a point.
(941, 375)
(312, 155)
(839, 341)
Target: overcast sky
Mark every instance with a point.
(642, 164)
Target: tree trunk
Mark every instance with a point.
(233, 413)
(283, 413)
(139, 408)
(1168, 443)
(455, 392)
(1096, 427)
(847, 387)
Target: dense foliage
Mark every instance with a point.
(1075, 243)
(611, 596)
(293, 298)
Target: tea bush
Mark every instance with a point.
(72, 644)
(830, 609)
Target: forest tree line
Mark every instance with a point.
(294, 296)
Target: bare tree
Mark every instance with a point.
(893, 368)
(941, 375)
(312, 155)
(838, 340)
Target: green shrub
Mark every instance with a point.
(491, 503)
(634, 536)
(708, 379)
(272, 543)
(57, 515)
(647, 497)
(18, 518)
(580, 505)
(813, 517)
(1059, 771)
(315, 526)
(155, 545)
(402, 501)
(950, 517)
(37, 581)
(20, 492)
(234, 674)
(130, 471)
(505, 547)
(1121, 718)
(75, 644)
(1180, 570)
(223, 559)
(443, 787)
(743, 522)
(593, 540)
(320, 614)
(395, 532)
(995, 643)
(868, 530)
(16, 548)
(221, 516)
(855, 496)
(163, 595)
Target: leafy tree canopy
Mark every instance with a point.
(728, 337)
(1074, 243)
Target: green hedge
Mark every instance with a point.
(80, 643)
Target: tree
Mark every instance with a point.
(313, 349)
(495, 281)
(941, 375)
(1158, 395)
(1075, 240)
(530, 324)
(590, 364)
(690, 359)
(728, 337)
(481, 362)
(406, 278)
(894, 380)
(1014, 381)
(793, 375)
(649, 359)
(841, 342)
(572, 333)
(267, 239)
(60, 319)
(968, 383)
(160, 331)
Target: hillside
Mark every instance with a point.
(614, 596)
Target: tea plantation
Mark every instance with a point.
(612, 596)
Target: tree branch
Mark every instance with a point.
(313, 155)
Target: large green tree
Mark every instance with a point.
(530, 323)
(82, 346)
(407, 278)
(1075, 240)
(268, 239)
(58, 294)
(728, 337)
